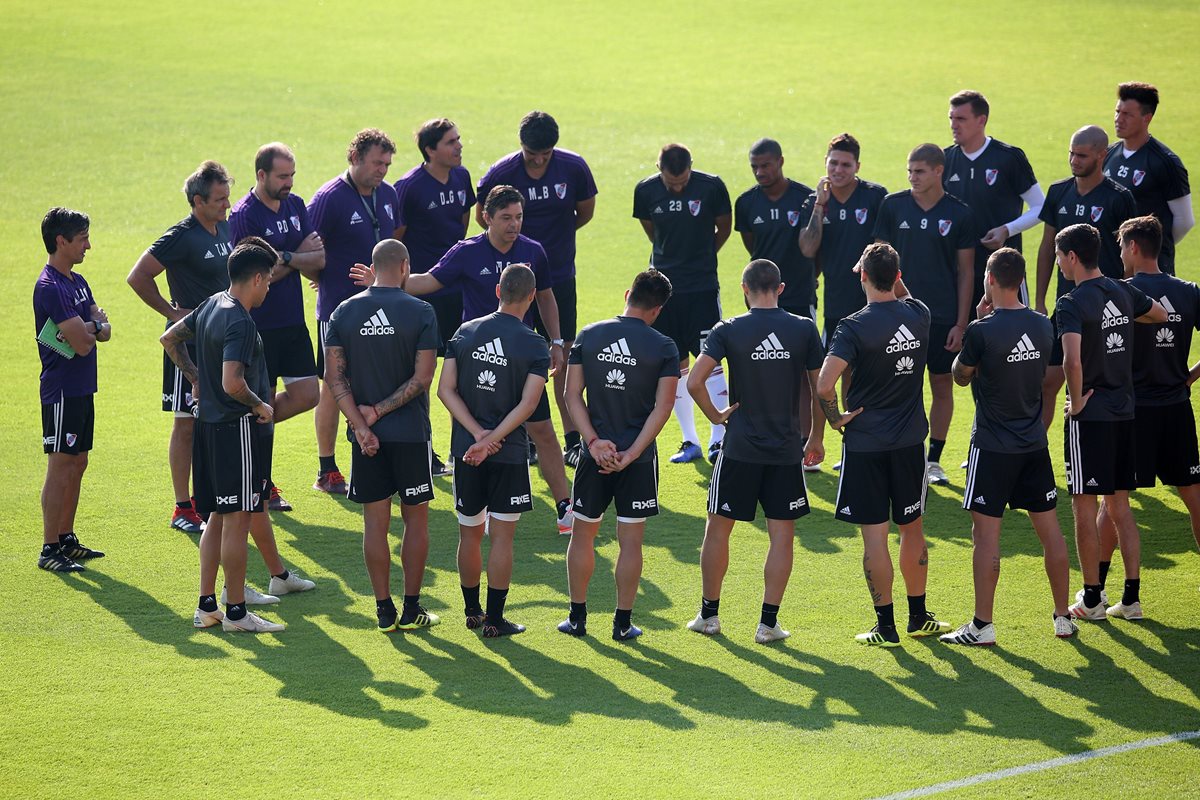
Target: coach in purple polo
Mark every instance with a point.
(352, 213)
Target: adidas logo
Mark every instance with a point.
(770, 349)
(1164, 338)
(979, 501)
(268, 232)
(432, 205)
(1092, 482)
(355, 218)
(377, 325)
(1115, 343)
(905, 365)
(615, 379)
(953, 178)
(725, 507)
(658, 210)
(903, 339)
(487, 380)
(758, 220)
(1024, 351)
(1062, 209)
(617, 353)
(845, 510)
(1172, 314)
(579, 503)
(485, 271)
(1112, 316)
(209, 254)
(904, 225)
(492, 353)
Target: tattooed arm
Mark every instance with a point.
(233, 383)
(412, 388)
(173, 341)
(827, 380)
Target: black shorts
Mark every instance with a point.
(1166, 445)
(68, 425)
(176, 389)
(449, 312)
(1100, 455)
(322, 327)
(568, 319)
(402, 468)
(1016, 480)
(687, 319)
(873, 483)
(542, 412)
(940, 360)
(288, 352)
(737, 489)
(633, 490)
(806, 311)
(231, 465)
(498, 488)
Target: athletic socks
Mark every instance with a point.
(685, 411)
(184, 506)
(495, 605)
(283, 576)
(208, 602)
(410, 601)
(1132, 589)
(979, 624)
(709, 608)
(1091, 595)
(770, 615)
(235, 611)
(572, 438)
(328, 464)
(885, 616)
(386, 606)
(916, 607)
(718, 392)
(578, 612)
(623, 619)
(935, 449)
(1104, 565)
(471, 599)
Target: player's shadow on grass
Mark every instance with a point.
(532, 686)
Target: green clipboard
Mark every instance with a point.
(51, 338)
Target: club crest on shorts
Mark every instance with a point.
(694, 207)
(944, 226)
(1139, 175)
(1097, 212)
(71, 439)
(560, 189)
(793, 218)
(860, 216)
(990, 176)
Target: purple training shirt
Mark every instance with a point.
(473, 266)
(284, 230)
(350, 225)
(58, 297)
(431, 212)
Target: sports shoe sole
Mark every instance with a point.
(206, 619)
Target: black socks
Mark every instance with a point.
(770, 615)
(709, 608)
(935, 449)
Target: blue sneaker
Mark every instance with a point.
(626, 634)
(688, 451)
(572, 628)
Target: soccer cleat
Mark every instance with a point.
(572, 455)
(573, 628)
(420, 619)
(332, 482)
(935, 475)
(57, 561)
(187, 520)
(251, 623)
(927, 625)
(206, 619)
(626, 634)
(1125, 611)
(566, 517)
(887, 637)
(292, 583)
(1103, 597)
(969, 634)
(765, 635)
(688, 451)
(1064, 627)
(837, 467)
(505, 628)
(71, 547)
(709, 627)
(1093, 613)
(277, 502)
(253, 597)
(440, 469)
(714, 450)
(533, 454)
(475, 619)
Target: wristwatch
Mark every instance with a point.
(286, 257)
(97, 325)
(558, 342)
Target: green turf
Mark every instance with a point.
(108, 692)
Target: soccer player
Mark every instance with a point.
(352, 213)
(1149, 168)
(1087, 196)
(1095, 321)
(935, 235)
(687, 217)
(473, 267)
(68, 324)
(233, 429)
(1164, 422)
(380, 354)
(494, 373)
(630, 372)
(770, 353)
(883, 460)
(993, 178)
(560, 198)
(272, 211)
(192, 253)
(1003, 359)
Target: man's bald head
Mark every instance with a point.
(389, 256)
(1090, 136)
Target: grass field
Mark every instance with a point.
(109, 692)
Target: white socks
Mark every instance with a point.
(685, 410)
(719, 394)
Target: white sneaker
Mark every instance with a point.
(206, 619)
(709, 627)
(251, 623)
(566, 522)
(969, 634)
(1064, 628)
(812, 467)
(1095, 613)
(1103, 597)
(293, 583)
(1131, 611)
(253, 597)
(935, 475)
(766, 635)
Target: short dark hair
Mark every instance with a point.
(253, 256)
(502, 196)
(264, 159)
(516, 282)
(1083, 240)
(675, 158)
(766, 147)
(201, 181)
(1007, 267)
(650, 289)
(63, 222)
(538, 131)
(1146, 232)
(1144, 94)
(928, 153)
(881, 264)
(429, 134)
(367, 138)
(846, 143)
(761, 276)
(979, 104)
